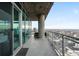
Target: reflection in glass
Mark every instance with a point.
(5, 30)
(23, 28)
(16, 29)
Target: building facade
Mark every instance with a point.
(15, 27)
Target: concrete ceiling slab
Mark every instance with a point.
(36, 8)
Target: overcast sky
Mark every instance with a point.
(63, 15)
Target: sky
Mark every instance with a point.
(63, 15)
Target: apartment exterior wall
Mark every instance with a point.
(15, 28)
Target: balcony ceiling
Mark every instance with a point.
(36, 8)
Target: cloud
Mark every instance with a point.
(76, 11)
(55, 27)
(62, 27)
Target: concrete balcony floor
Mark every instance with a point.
(39, 47)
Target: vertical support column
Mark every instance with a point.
(41, 26)
(20, 26)
(63, 54)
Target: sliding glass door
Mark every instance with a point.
(16, 28)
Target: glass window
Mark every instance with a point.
(23, 28)
(26, 29)
(5, 29)
(16, 29)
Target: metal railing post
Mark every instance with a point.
(52, 38)
(63, 54)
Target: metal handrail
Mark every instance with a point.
(76, 39)
(68, 38)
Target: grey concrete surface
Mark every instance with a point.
(39, 47)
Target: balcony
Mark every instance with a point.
(54, 44)
(39, 47)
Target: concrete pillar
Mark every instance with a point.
(41, 26)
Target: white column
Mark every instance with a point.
(41, 26)
(20, 27)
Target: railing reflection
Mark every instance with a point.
(64, 45)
